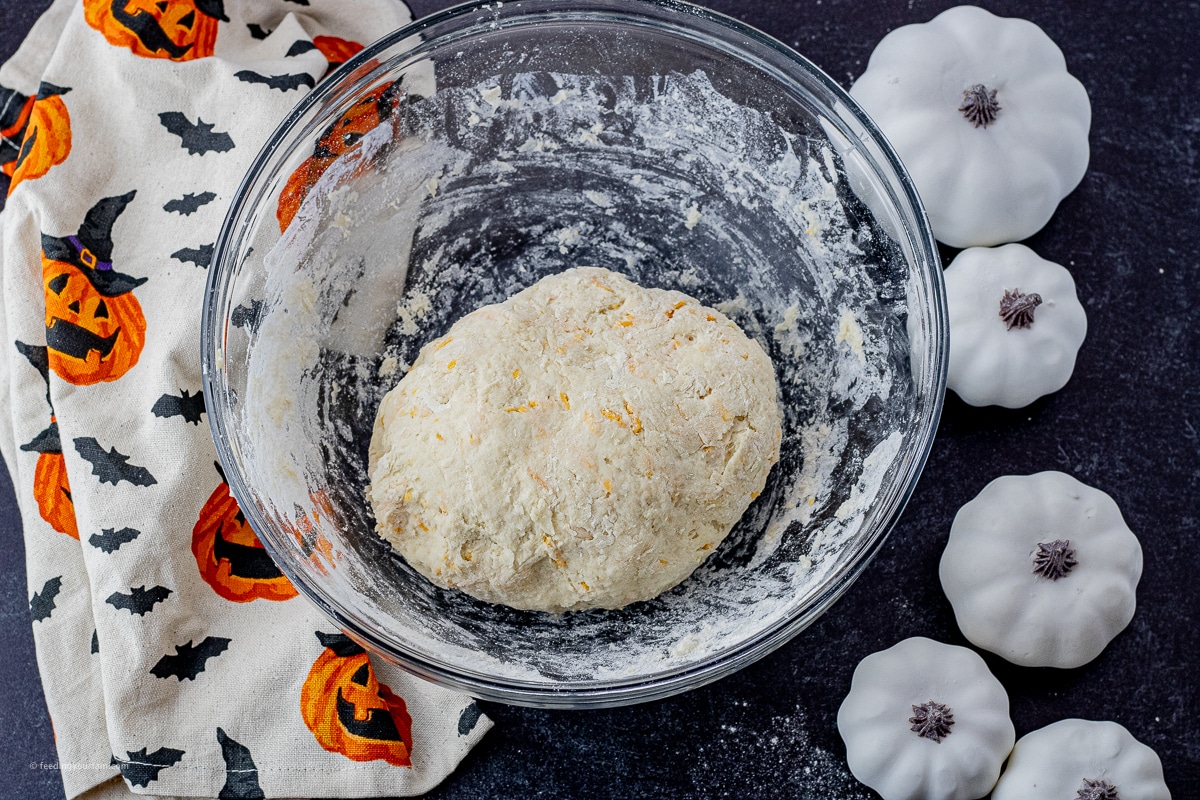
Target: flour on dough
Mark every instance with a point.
(586, 443)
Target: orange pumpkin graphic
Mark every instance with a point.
(231, 558)
(15, 109)
(53, 493)
(336, 51)
(336, 140)
(180, 30)
(50, 487)
(349, 711)
(47, 137)
(95, 328)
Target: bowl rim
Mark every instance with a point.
(664, 682)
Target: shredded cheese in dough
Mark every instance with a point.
(594, 442)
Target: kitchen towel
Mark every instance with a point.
(169, 668)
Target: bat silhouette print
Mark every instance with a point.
(109, 540)
(284, 83)
(38, 356)
(140, 600)
(300, 47)
(189, 661)
(141, 767)
(41, 605)
(197, 138)
(200, 256)
(247, 316)
(186, 405)
(469, 718)
(189, 203)
(111, 466)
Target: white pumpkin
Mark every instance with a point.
(1041, 569)
(926, 721)
(1016, 326)
(985, 116)
(1076, 759)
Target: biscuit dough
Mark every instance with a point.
(586, 443)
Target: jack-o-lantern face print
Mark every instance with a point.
(349, 711)
(46, 140)
(95, 328)
(92, 338)
(336, 140)
(230, 557)
(50, 487)
(180, 30)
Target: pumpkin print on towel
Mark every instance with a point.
(336, 51)
(15, 109)
(51, 490)
(95, 328)
(50, 487)
(349, 711)
(339, 138)
(180, 30)
(229, 555)
(46, 139)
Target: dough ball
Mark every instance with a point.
(586, 443)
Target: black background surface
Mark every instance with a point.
(1127, 423)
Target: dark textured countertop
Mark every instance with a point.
(1127, 423)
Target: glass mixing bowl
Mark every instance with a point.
(464, 157)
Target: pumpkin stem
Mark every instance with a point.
(1055, 560)
(979, 105)
(1016, 308)
(1097, 790)
(932, 720)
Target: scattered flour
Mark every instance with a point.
(566, 237)
(491, 96)
(850, 333)
(599, 198)
(411, 311)
(392, 365)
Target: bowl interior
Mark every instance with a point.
(491, 146)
